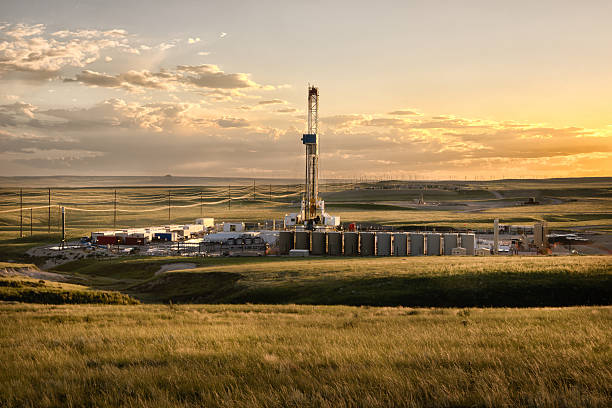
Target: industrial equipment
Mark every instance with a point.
(313, 208)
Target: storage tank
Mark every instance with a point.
(450, 243)
(318, 243)
(367, 244)
(302, 240)
(400, 244)
(351, 241)
(433, 244)
(334, 243)
(383, 244)
(285, 242)
(468, 241)
(416, 244)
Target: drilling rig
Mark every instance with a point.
(311, 141)
(313, 209)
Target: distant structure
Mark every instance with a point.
(496, 236)
(310, 202)
(540, 235)
(312, 214)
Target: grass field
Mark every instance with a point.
(439, 282)
(302, 356)
(318, 332)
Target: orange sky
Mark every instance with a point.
(408, 89)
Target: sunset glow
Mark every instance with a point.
(427, 90)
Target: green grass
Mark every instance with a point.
(28, 290)
(302, 356)
(430, 282)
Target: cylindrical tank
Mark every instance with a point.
(433, 244)
(468, 241)
(367, 245)
(318, 243)
(416, 244)
(351, 241)
(383, 244)
(285, 242)
(400, 244)
(450, 242)
(334, 243)
(302, 240)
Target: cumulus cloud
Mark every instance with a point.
(403, 112)
(187, 76)
(211, 76)
(130, 80)
(30, 55)
(229, 122)
(271, 102)
(193, 40)
(342, 120)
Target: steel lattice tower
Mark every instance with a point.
(311, 140)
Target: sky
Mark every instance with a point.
(408, 89)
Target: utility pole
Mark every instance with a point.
(63, 227)
(49, 223)
(115, 212)
(201, 203)
(20, 213)
(270, 192)
(31, 221)
(253, 189)
(229, 195)
(168, 206)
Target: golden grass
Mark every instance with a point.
(301, 356)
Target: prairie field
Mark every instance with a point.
(303, 356)
(320, 332)
(564, 204)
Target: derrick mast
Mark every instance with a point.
(310, 203)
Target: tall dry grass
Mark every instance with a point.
(302, 356)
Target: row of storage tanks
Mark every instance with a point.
(376, 243)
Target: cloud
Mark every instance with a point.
(193, 40)
(342, 120)
(19, 31)
(403, 112)
(222, 35)
(270, 102)
(286, 110)
(229, 122)
(210, 76)
(187, 76)
(204, 53)
(108, 59)
(130, 80)
(31, 56)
